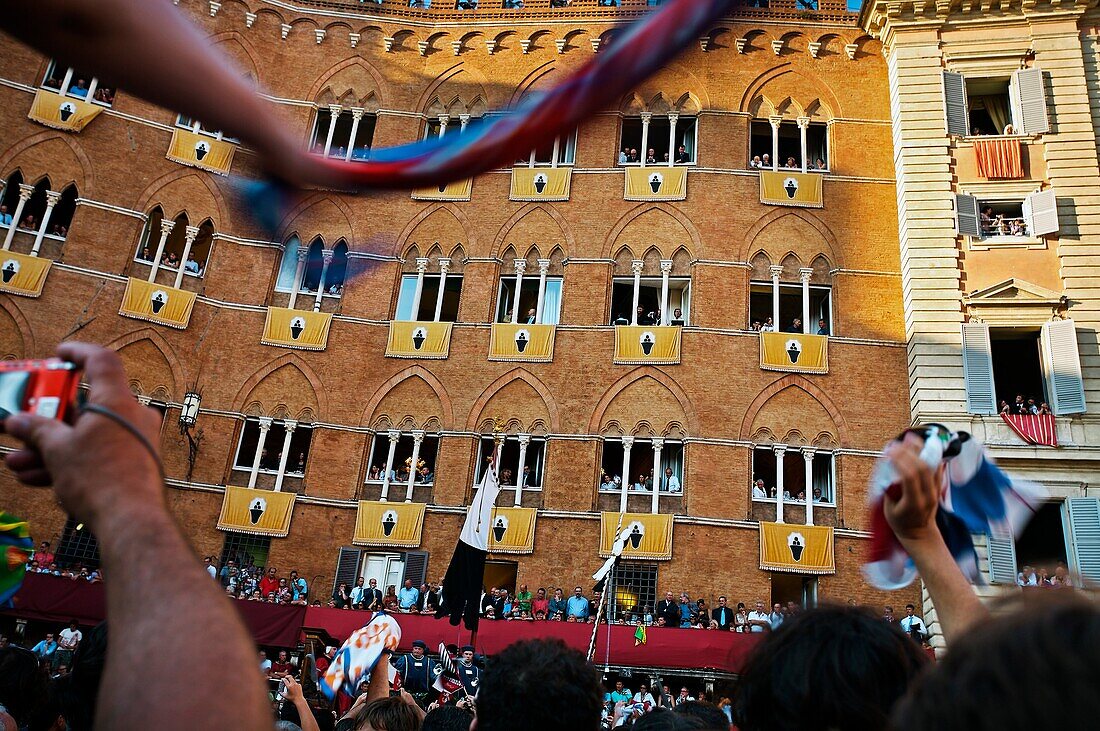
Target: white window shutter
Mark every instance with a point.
(1032, 100)
(1084, 526)
(1002, 559)
(967, 216)
(1041, 213)
(978, 369)
(954, 99)
(1062, 366)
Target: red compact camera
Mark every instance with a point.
(43, 387)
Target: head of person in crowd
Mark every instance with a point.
(384, 714)
(447, 718)
(878, 659)
(708, 714)
(1032, 668)
(76, 691)
(25, 692)
(663, 719)
(539, 679)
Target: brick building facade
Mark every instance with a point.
(804, 83)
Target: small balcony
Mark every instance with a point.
(540, 183)
(157, 303)
(794, 352)
(203, 151)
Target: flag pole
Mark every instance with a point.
(603, 599)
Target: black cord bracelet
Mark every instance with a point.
(104, 411)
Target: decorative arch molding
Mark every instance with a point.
(794, 380)
(290, 220)
(145, 200)
(86, 185)
(401, 243)
(449, 74)
(157, 340)
(636, 375)
(529, 81)
(423, 374)
(22, 324)
(379, 81)
(291, 359)
(516, 374)
(823, 89)
(629, 216)
(563, 225)
(767, 219)
(231, 37)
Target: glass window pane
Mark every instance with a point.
(405, 297)
(551, 303)
(288, 266)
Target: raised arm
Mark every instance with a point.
(164, 611)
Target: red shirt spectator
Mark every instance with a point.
(540, 603)
(44, 556)
(269, 584)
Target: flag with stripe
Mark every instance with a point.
(462, 598)
(1033, 428)
(447, 680)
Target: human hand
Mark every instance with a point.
(910, 505)
(96, 467)
(408, 700)
(293, 690)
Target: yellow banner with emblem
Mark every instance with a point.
(458, 190)
(22, 274)
(513, 530)
(652, 344)
(790, 188)
(540, 184)
(534, 343)
(794, 352)
(260, 512)
(157, 303)
(650, 535)
(397, 525)
(799, 549)
(417, 339)
(201, 151)
(62, 112)
(657, 183)
(305, 330)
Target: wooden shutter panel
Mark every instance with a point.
(1084, 525)
(978, 369)
(967, 216)
(1002, 559)
(1032, 99)
(347, 567)
(1062, 364)
(1041, 213)
(954, 99)
(416, 567)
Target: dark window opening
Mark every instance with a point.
(790, 145)
(1017, 366)
(342, 141)
(656, 151)
(988, 105)
(402, 459)
(639, 475)
(632, 591)
(790, 307)
(649, 300)
(1043, 542)
(528, 299)
(428, 296)
(502, 575)
(78, 546)
(765, 478)
(534, 460)
(271, 454)
(245, 549)
(10, 198)
(1004, 218)
(433, 126)
(802, 590)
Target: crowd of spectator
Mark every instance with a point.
(650, 318)
(998, 224)
(767, 325)
(249, 582)
(1025, 407)
(764, 162)
(422, 473)
(630, 156)
(669, 482)
(760, 491)
(1045, 577)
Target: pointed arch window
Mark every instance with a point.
(337, 270)
(177, 247)
(77, 84)
(345, 133)
(288, 266)
(658, 139)
(9, 199)
(315, 263)
(63, 212)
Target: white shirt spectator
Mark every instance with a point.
(755, 615)
(645, 699)
(758, 492)
(673, 483)
(68, 639)
(908, 624)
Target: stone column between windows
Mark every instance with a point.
(393, 436)
(646, 117)
(51, 200)
(804, 275)
(521, 267)
(191, 233)
(557, 150)
(421, 268)
(636, 269)
(779, 452)
(672, 118)
(628, 442)
(666, 270)
(299, 272)
(808, 456)
(418, 439)
(356, 117)
(289, 425)
(165, 229)
(544, 267)
(658, 444)
(463, 121)
(776, 271)
(803, 124)
(326, 258)
(524, 441)
(775, 122)
(443, 120)
(265, 425)
(25, 193)
(444, 267)
(334, 114)
(66, 80)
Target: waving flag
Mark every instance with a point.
(639, 635)
(977, 497)
(15, 541)
(447, 680)
(462, 600)
(357, 657)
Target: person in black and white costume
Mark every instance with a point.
(418, 672)
(913, 625)
(468, 672)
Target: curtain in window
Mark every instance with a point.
(673, 456)
(288, 265)
(823, 478)
(997, 108)
(551, 302)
